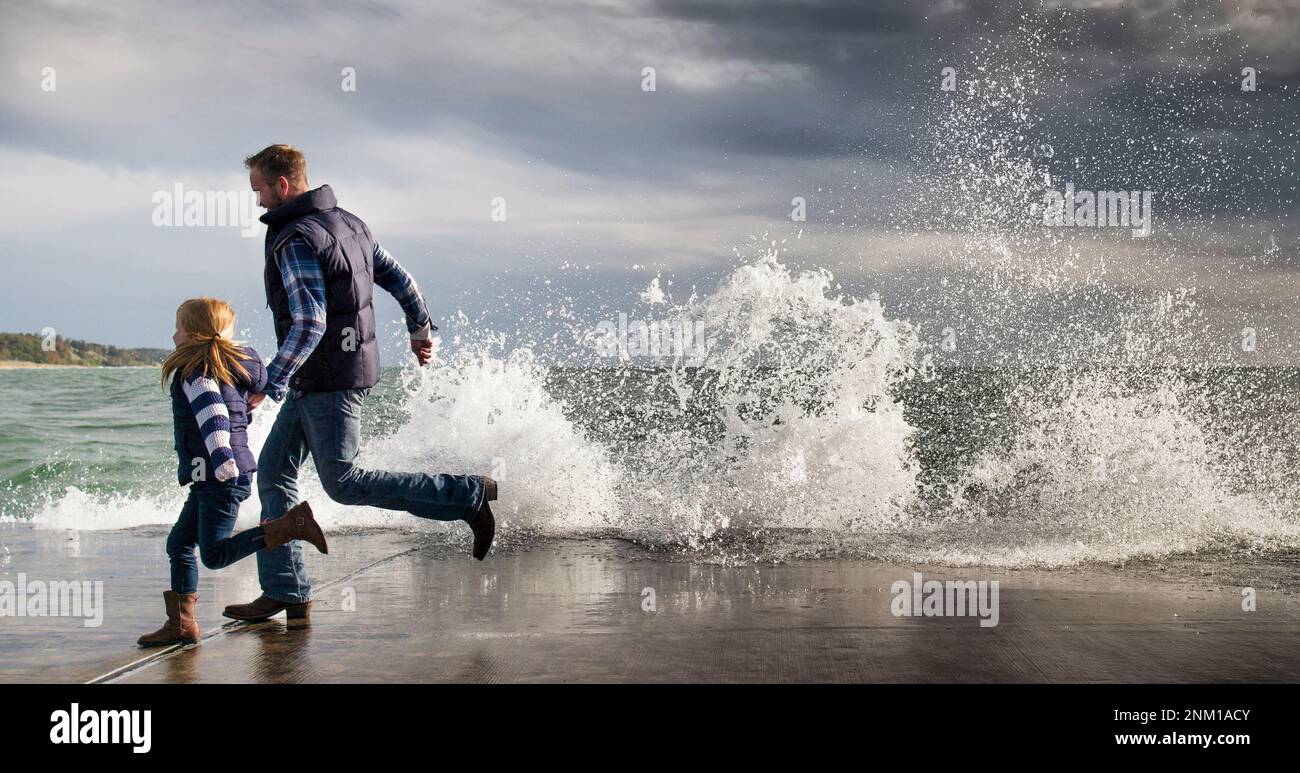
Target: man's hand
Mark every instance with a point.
(423, 350)
(256, 400)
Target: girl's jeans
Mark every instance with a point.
(206, 520)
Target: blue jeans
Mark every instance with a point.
(328, 425)
(206, 520)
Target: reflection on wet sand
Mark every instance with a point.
(394, 607)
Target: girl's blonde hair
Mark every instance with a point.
(204, 319)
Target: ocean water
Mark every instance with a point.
(817, 422)
(814, 425)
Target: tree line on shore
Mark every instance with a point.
(32, 347)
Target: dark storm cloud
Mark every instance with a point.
(756, 102)
(868, 74)
(1164, 74)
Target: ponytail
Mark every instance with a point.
(207, 352)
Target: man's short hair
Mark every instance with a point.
(276, 161)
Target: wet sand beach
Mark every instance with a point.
(23, 364)
(408, 607)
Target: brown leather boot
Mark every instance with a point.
(482, 522)
(298, 523)
(180, 627)
(264, 607)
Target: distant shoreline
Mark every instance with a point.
(32, 350)
(22, 364)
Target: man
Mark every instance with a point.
(321, 267)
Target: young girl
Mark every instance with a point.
(214, 379)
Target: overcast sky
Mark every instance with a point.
(607, 185)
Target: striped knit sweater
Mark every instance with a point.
(204, 394)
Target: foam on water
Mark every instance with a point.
(73, 508)
(1096, 472)
(798, 381)
(473, 414)
(477, 414)
(790, 428)
(795, 390)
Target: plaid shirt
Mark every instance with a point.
(304, 282)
